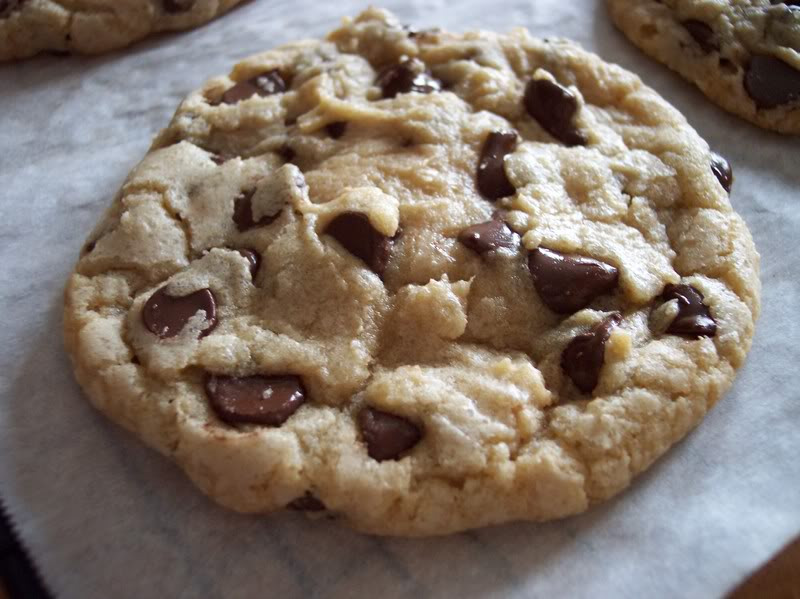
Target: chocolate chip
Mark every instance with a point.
(357, 235)
(488, 236)
(405, 77)
(693, 319)
(583, 358)
(254, 260)
(386, 435)
(701, 33)
(177, 6)
(265, 84)
(9, 6)
(567, 282)
(722, 171)
(336, 129)
(89, 247)
(492, 180)
(287, 153)
(306, 503)
(554, 108)
(255, 399)
(243, 212)
(166, 315)
(770, 82)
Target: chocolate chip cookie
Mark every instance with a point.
(743, 54)
(28, 27)
(417, 280)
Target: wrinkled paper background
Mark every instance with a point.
(106, 517)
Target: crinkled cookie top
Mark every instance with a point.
(422, 281)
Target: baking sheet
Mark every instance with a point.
(106, 517)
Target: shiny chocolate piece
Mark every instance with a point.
(165, 315)
(243, 212)
(411, 75)
(492, 180)
(265, 84)
(306, 503)
(357, 235)
(488, 236)
(567, 283)
(336, 129)
(722, 171)
(703, 34)
(253, 258)
(177, 6)
(554, 107)
(694, 318)
(9, 6)
(255, 399)
(386, 435)
(770, 82)
(583, 358)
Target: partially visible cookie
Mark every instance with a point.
(28, 27)
(422, 281)
(743, 54)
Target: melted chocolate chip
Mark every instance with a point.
(243, 212)
(89, 247)
(254, 260)
(722, 171)
(255, 399)
(492, 181)
(566, 282)
(554, 108)
(405, 77)
(177, 6)
(693, 319)
(583, 358)
(770, 82)
(488, 236)
(357, 235)
(306, 503)
(9, 6)
(386, 435)
(287, 153)
(166, 315)
(265, 84)
(336, 129)
(702, 34)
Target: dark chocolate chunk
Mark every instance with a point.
(306, 503)
(693, 319)
(336, 129)
(357, 235)
(254, 260)
(568, 282)
(405, 77)
(9, 6)
(265, 84)
(492, 181)
(89, 247)
(770, 82)
(166, 315)
(722, 171)
(701, 33)
(554, 107)
(177, 6)
(386, 435)
(243, 212)
(583, 358)
(255, 399)
(488, 236)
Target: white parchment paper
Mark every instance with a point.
(106, 517)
